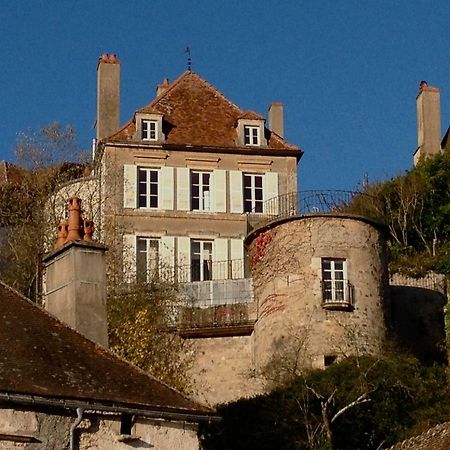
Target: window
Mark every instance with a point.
(149, 130)
(334, 281)
(251, 135)
(147, 258)
(201, 260)
(200, 191)
(148, 188)
(253, 193)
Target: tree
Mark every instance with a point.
(368, 403)
(24, 221)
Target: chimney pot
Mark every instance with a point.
(74, 227)
(61, 236)
(161, 88)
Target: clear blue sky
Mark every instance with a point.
(347, 71)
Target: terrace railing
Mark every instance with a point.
(314, 202)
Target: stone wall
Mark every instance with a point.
(223, 369)
(286, 267)
(102, 432)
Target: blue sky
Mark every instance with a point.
(347, 71)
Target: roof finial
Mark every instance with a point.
(189, 60)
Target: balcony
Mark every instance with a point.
(337, 295)
(315, 203)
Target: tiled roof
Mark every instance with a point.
(196, 113)
(436, 438)
(42, 357)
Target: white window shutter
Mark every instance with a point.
(183, 189)
(184, 259)
(129, 257)
(236, 193)
(129, 186)
(167, 257)
(270, 192)
(166, 188)
(220, 259)
(219, 191)
(237, 258)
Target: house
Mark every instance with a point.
(59, 389)
(179, 177)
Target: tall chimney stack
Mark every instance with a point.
(75, 278)
(276, 119)
(108, 95)
(428, 122)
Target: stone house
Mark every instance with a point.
(194, 189)
(59, 389)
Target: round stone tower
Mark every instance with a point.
(320, 285)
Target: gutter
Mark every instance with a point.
(187, 416)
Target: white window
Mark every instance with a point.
(147, 258)
(201, 260)
(148, 187)
(335, 285)
(251, 135)
(253, 192)
(200, 191)
(149, 130)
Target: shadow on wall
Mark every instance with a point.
(417, 316)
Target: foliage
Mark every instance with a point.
(23, 219)
(139, 316)
(401, 398)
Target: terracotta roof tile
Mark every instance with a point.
(252, 115)
(41, 356)
(436, 438)
(196, 113)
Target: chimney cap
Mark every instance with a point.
(108, 58)
(423, 86)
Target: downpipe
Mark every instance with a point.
(80, 412)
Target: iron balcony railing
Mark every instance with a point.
(232, 269)
(337, 294)
(314, 202)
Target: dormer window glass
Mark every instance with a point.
(251, 135)
(149, 130)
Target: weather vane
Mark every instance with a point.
(189, 60)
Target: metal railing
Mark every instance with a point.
(337, 294)
(232, 314)
(313, 202)
(232, 269)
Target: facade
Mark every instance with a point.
(179, 178)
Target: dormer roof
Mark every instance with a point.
(196, 113)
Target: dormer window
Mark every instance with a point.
(250, 130)
(149, 127)
(251, 135)
(149, 130)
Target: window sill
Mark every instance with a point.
(337, 306)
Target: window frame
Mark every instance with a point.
(152, 245)
(149, 130)
(335, 272)
(252, 135)
(201, 202)
(201, 271)
(256, 205)
(147, 194)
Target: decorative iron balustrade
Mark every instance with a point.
(315, 202)
(233, 269)
(337, 294)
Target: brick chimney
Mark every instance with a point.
(75, 277)
(428, 122)
(276, 118)
(108, 95)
